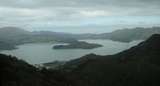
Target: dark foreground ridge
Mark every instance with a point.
(137, 66)
(14, 72)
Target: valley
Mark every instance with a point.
(136, 66)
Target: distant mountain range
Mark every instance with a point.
(123, 35)
(14, 36)
(137, 66)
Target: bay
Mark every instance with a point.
(36, 53)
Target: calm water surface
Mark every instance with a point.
(36, 53)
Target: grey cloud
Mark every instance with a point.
(127, 7)
(71, 12)
(77, 3)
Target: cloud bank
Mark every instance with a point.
(51, 14)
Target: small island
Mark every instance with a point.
(78, 45)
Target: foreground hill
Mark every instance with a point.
(137, 66)
(14, 72)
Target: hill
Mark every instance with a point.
(137, 66)
(124, 35)
(16, 72)
(6, 46)
(78, 45)
(12, 36)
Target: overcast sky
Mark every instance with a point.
(79, 16)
